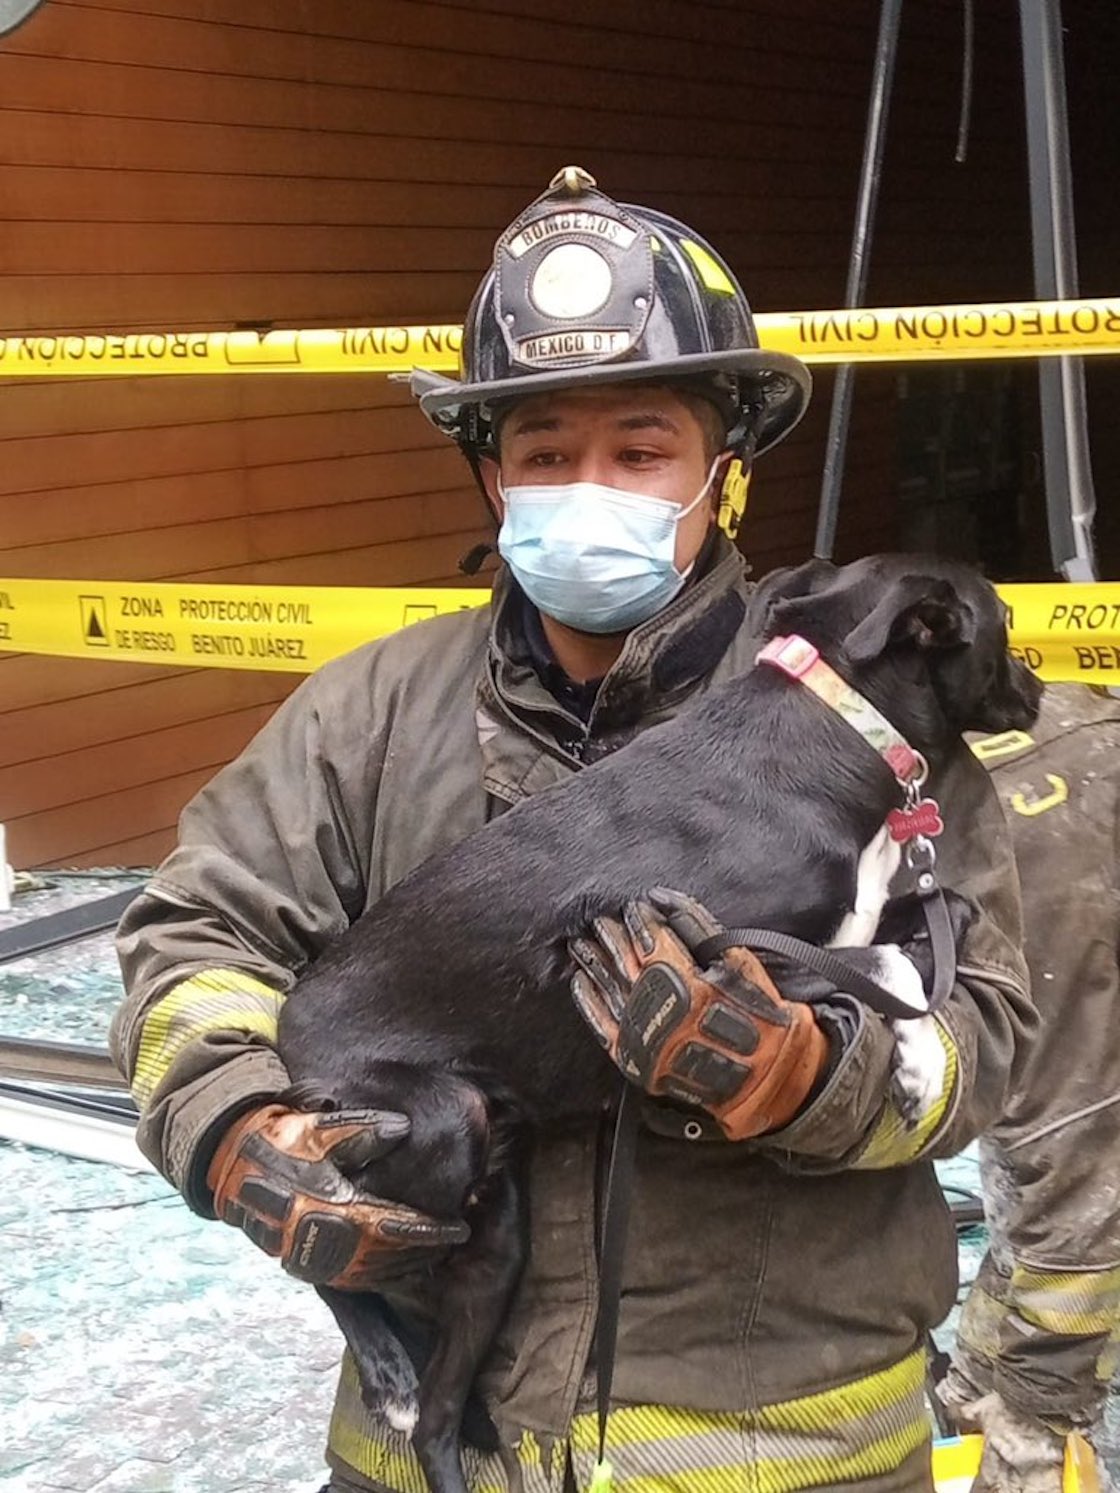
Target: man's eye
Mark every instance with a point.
(545, 459)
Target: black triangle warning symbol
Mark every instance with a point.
(95, 624)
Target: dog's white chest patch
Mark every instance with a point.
(877, 865)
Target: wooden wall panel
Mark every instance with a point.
(188, 164)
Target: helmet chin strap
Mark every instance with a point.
(473, 460)
(471, 563)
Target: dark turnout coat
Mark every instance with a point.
(776, 1291)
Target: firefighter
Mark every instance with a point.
(1040, 1331)
(777, 1290)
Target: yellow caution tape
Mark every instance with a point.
(292, 628)
(1067, 633)
(1063, 632)
(1002, 329)
(349, 350)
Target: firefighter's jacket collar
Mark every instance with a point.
(661, 664)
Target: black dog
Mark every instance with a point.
(449, 999)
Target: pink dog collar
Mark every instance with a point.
(798, 659)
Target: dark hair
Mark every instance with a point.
(707, 416)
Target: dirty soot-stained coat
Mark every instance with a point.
(756, 1272)
(1042, 1322)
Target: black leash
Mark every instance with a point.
(844, 976)
(824, 962)
(943, 945)
(921, 858)
(612, 1252)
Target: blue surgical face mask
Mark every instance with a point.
(597, 558)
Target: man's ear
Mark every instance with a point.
(490, 475)
(926, 610)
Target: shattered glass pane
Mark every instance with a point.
(66, 994)
(142, 1349)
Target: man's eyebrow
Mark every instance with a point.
(532, 424)
(649, 421)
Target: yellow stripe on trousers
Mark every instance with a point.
(1078, 1303)
(857, 1431)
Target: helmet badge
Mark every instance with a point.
(571, 280)
(574, 278)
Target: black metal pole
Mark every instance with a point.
(1070, 502)
(870, 171)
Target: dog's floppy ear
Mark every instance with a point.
(925, 609)
(784, 585)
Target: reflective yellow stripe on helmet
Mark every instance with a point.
(216, 1000)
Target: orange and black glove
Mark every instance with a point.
(279, 1174)
(718, 1036)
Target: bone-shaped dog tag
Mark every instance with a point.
(923, 819)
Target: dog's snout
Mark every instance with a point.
(1029, 688)
(1021, 698)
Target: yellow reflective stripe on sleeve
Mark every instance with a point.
(893, 1142)
(857, 1431)
(217, 1000)
(1076, 1304)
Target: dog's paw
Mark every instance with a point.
(396, 1404)
(401, 1415)
(892, 968)
(388, 1382)
(918, 1068)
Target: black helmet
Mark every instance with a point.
(585, 290)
